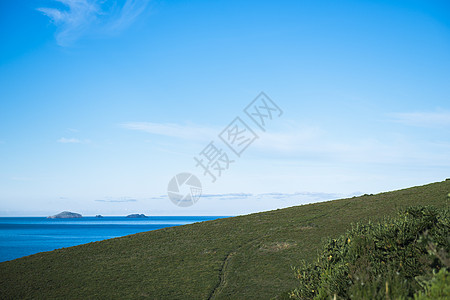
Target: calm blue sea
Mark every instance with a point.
(24, 236)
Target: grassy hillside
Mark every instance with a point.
(246, 257)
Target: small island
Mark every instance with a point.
(137, 216)
(99, 216)
(65, 215)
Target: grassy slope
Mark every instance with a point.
(242, 257)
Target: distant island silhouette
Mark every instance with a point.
(137, 216)
(65, 215)
(72, 215)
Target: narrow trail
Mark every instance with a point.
(222, 277)
(224, 268)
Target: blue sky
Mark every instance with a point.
(103, 102)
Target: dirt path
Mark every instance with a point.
(222, 275)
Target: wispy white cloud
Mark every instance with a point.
(244, 203)
(290, 139)
(297, 142)
(74, 20)
(422, 119)
(80, 17)
(126, 15)
(69, 140)
(317, 196)
(294, 138)
(22, 178)
(116, 199)
(187, 132)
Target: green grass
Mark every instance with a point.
(245, 257)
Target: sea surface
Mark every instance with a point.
(25, 236)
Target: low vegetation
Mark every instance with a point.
(245, 257)
(399, 258)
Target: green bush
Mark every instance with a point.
(388, 260)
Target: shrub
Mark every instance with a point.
(387, 260)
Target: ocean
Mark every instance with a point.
(29, 235)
